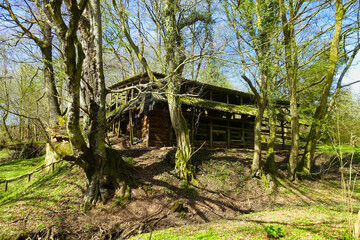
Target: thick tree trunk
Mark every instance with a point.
(183, 165)
(294, 149)
(314, 134)
(102, 175)
(101, 183)
(174, 57)
(256, 167)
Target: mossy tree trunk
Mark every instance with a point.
(320, 112)
(291, 64)
(174, 60)
(257, 165)
(174, 57)
(261, 28)
(183, 165)
(270, 169)
(83, 59)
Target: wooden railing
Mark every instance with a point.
(28, 175)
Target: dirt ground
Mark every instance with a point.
(224, 189)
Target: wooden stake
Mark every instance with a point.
(29, 177)
(6, 185)
(228, 130)
(192, 127)
(243, 132)
(131, 128)
(283, 134)
(211, 133)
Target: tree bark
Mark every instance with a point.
(291, 64)
(99, 185)
(270, 156)
(256, 167)
(50, 86)
(314, 134)
(174, 57)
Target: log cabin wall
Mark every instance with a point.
(219, 129)
(160, 130)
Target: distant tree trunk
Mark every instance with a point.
(4, 117)
(50, 87)
(314, 134)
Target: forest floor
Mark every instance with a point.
(224, 203)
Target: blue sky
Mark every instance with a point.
(353, 74)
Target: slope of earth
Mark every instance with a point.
(48, 205)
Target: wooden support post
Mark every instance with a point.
(211, 95)
(29, 177)
(109, 110)
(211, 133)
(117, 100)
(53, 167)
(193, 127)
(227, 99)
(228, 130)
(241, 100)
(283, 134)
(119, 127)
(131, 128)
(147, 131)
(131, 120)
(6, 185)
(243, 131)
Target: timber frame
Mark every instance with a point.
(217, 117)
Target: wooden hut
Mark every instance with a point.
(216, 116)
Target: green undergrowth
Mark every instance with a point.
(19, 167)
(310, 222)
(345, 149)
(45, 191)
(4, 153)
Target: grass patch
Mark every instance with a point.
(312, 222)
(4, 153)
(46, 191)
(346, 149)
(19, 167)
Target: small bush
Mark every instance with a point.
(274, 231)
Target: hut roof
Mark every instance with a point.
(196, 101)
(143, 78)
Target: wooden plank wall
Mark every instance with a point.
(160, 131)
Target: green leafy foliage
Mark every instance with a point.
(274, 231)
